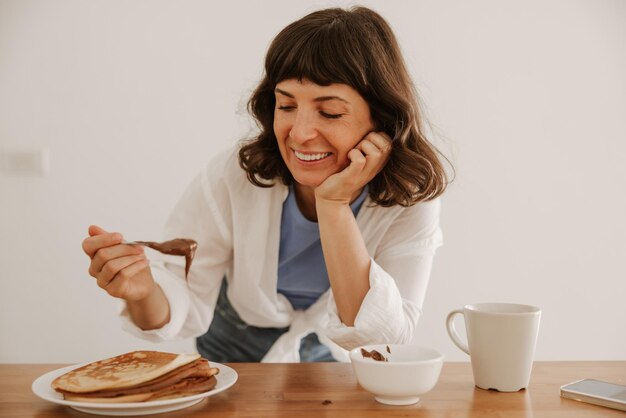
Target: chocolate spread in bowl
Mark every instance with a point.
(374, 355)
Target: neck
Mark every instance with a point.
(305, 197)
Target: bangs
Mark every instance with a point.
(324, 54)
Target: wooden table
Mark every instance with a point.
(330, 389)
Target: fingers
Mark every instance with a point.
(107, 254)
(368, 148)
(381, 140)
(121, 267)
(356, 156)
(355, 166)
(104, 247)
(95, 230)
(376, 146)
(367, 159)
(99, 238)
(121, 285)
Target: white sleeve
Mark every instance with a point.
(202, 214)
(398, 276)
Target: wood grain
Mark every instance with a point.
(330, 389)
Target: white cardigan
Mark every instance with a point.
(237, 227)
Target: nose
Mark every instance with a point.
(303, 128)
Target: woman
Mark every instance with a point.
(323, 227)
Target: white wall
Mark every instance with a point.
(130, 99)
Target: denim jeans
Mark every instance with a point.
(230, 339)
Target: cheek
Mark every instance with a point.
(281, 129)
(346, 139)
(276, 127)
(343, 148)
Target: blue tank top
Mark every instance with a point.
(302, 275)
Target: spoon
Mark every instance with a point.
(177, 246)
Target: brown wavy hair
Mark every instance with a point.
(358, 48)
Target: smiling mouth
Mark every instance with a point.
(311, 156)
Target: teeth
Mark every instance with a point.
(311, 157)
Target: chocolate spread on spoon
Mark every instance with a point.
(178, 246)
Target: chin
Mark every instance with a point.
(309, 181)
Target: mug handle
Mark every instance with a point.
(452, 331)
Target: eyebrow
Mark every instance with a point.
(317, 99)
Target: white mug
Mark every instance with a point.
(501, 343)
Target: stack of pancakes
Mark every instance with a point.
(138, 377)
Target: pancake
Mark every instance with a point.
(137, 377)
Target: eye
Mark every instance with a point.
(286, 108)
(331, 116)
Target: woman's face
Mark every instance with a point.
(316, 126)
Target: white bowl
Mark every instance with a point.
(409, 372)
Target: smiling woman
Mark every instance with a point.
(315, 236)
(354, 51)
(316, 126)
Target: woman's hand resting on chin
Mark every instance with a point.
(366, 160)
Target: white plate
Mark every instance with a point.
(41, 387)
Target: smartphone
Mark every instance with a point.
(596, 392)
